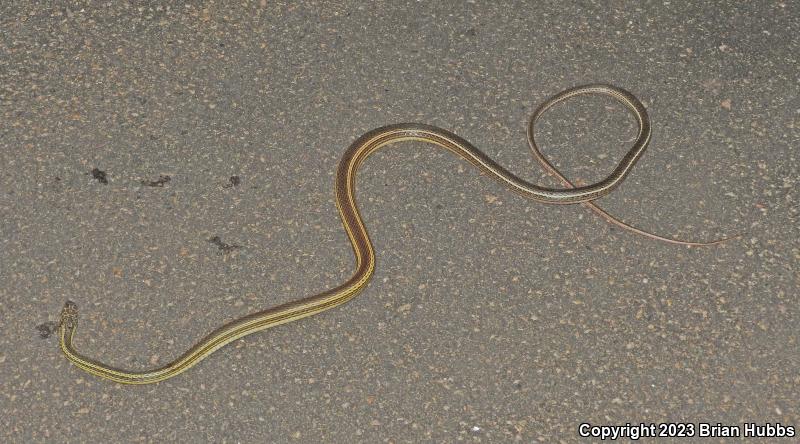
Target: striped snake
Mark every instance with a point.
(357, 233)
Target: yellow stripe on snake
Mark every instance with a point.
(357, 232)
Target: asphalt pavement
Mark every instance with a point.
(170, 168)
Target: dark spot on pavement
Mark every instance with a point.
(223, 247)
(47, 329)
(235, 182)
(157, 183)
(100, 176)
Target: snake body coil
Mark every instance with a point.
(357, 232)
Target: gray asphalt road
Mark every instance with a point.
(490, 318)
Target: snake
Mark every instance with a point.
(363, 250)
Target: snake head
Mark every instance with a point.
(69, 315)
